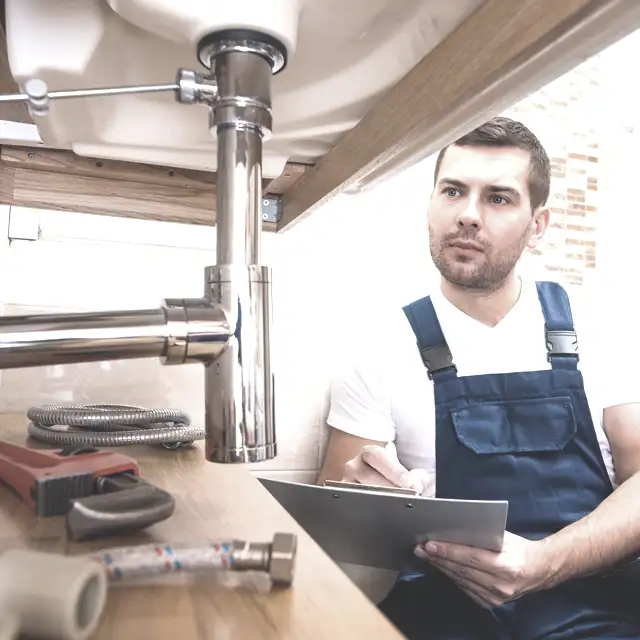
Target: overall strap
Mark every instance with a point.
(433, 347)
(560, 336)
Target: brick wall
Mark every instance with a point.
(562, 115)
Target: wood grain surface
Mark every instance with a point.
(212, 502)
(61, 180)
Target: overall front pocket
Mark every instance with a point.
(516, 426)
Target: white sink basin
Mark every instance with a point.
(342, 55)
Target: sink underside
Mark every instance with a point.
(371, 87)
(348, 53)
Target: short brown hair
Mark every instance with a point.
(504, 132)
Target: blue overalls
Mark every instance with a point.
(527, 438)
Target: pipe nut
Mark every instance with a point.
(283, 559)
(177, 338)
(194, 87)
(197, 330)
(187, 86)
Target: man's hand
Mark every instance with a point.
(488, 577)
(380, 466)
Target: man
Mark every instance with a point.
(483, 393)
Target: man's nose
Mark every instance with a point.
(469, 215)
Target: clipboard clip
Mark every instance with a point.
(369, 488)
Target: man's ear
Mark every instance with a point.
(539, 224)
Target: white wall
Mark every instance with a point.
(618, 115)
(329, 273)
(82, 262)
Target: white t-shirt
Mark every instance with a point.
(386, 395)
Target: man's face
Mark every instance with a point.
(480, 217)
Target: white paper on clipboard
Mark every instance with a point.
(375, 528)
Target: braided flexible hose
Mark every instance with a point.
(111, 425)
(122, 563)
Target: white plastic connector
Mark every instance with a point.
(50, 596)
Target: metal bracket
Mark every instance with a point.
(271, 209)
(24, 224)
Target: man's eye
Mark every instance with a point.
(496, 199)
(451, 192)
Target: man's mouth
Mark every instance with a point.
(466, 245)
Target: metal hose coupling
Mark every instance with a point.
(111, 425)
(276, 558)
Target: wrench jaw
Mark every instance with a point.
(123, 502)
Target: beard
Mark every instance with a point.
(489, 274)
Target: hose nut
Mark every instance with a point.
(283, 558)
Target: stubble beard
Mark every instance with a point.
(487, 276)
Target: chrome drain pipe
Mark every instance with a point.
(228, 330)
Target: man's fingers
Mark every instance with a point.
(380, 466)
(453, 569)
(490, 588)
(472, 557)
(385, 462)
(355, 471)
(473, 590)
(424, 482)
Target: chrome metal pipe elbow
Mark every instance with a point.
(228, 330)
(181, 331)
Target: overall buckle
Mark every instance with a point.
(437, 359)
(562, 343)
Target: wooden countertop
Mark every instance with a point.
(212, 502)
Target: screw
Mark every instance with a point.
(31, 155)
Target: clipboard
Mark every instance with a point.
(379, 526)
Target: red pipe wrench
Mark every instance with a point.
(99, 491)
